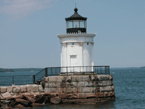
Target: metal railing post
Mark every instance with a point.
(46, 72)
(33, 79)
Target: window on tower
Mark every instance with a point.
(76, 24)
(82, 24)
(69, 24)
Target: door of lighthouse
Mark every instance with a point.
(73, 62)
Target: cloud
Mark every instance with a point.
(24, 7)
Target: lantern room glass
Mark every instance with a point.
(69, 24)
(76, 24)
(82, 24)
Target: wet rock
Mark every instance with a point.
(19, 106)
(55, 100)
(22, 101)
(81, 95)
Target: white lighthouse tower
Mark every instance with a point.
(77, 44)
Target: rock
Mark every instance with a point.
(104, 77)
(50, 90)
(71, 90)
(52, 79)
(75, 79)
(23, 89)
(12, 103)
(22, 101)
(29, 98)
(100, 94)
(38, 97)
(89, 84)
(112, 88)
(29, 88)
(9, 89)
(3, 89)
(55, 100)
(6, 95)
(86, 78)
(72, 84)
(81, 95)
(16, 89)
(47, 90)
(81, 84)
(37, 104)
(18, 96)
(35, 88)
(90, 95)
(71, 96)
(105, 83)
(50, 85)
(86, 89)
(104, 89)
(40, 88)
(19, 106)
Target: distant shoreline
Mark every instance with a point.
(19, 69)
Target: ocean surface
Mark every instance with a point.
(129, 89)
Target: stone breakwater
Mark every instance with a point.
(88, 89)
(84, 89)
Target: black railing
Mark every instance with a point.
(52, 71)
(17, 80)
(39, 76)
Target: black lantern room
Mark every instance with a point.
(76, 23)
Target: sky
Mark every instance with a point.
(29, 28)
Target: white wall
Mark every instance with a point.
(77, 50)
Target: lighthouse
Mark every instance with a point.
(76, 44)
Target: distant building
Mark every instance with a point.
(77, 44)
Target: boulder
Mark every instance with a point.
(6, 95)
(55, 100)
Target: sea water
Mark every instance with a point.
(129, 90)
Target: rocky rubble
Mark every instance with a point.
(28, 99)
(34, 99)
